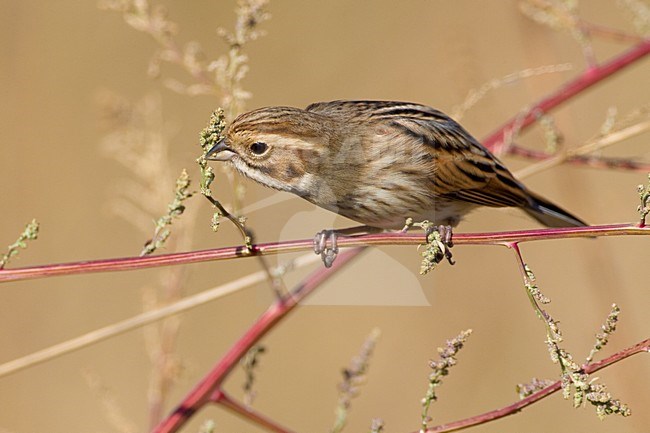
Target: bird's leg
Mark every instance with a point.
(446, 233)
(328, 252)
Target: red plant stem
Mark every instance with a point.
(585, 80)
(583, 160)
(226, 253)
(202, 392)
(643, 346)
(220, 397)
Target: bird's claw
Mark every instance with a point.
(327, 252)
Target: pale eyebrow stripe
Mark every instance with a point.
(287, 142)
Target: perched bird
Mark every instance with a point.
(377, 163)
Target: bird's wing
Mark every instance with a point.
(462, 168)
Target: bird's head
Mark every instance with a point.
(279, 147)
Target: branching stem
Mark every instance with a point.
(643, 346)
(204, 391)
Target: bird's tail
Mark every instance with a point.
(551, 215)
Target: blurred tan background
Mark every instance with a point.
(56, 57)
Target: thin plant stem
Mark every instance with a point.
(643, 346)
(221, 398)
(605, 32)
(582, 151)
(142, 319)
(592, 161)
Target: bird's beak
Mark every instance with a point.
(220, 152)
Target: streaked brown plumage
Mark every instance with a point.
(377, 162)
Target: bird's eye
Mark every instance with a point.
(259, 147)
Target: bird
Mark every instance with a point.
(377, 163)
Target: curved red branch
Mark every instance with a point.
(585, 80)
(643, 346)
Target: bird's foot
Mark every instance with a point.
(445, 242)
(438, 246)
(327, 252)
